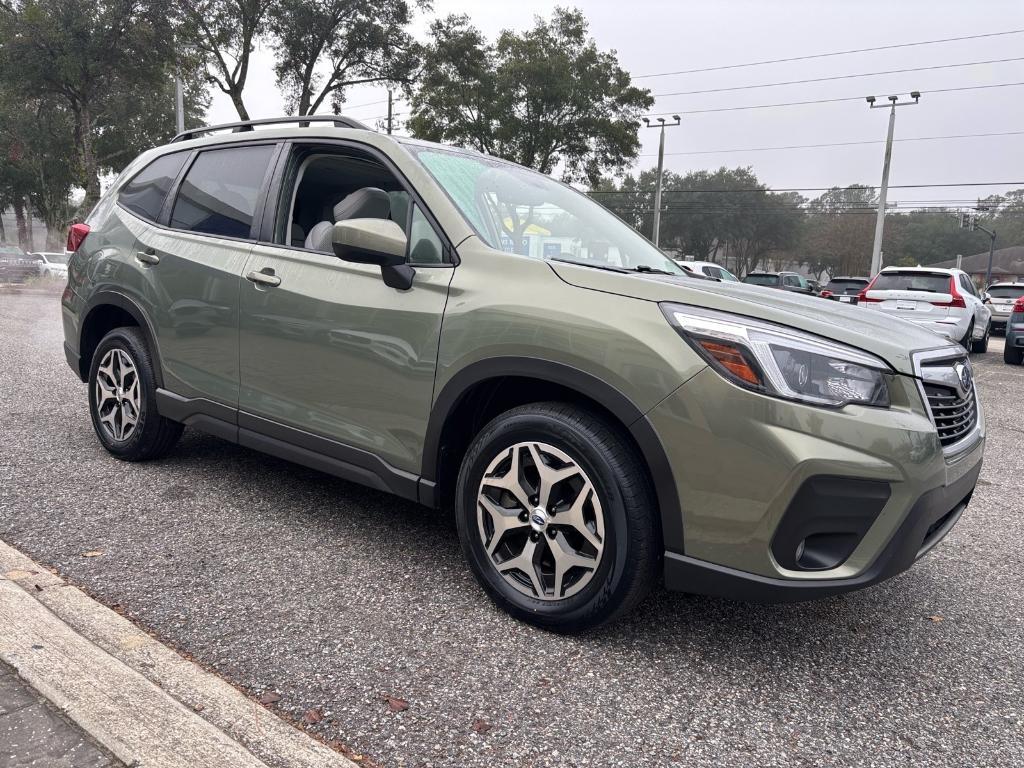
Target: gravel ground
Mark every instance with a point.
(338, 597)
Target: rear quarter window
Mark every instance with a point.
(144, 195)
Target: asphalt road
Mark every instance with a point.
(338, 597)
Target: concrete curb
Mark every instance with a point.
(138, 698)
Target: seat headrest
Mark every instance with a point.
(365, 203)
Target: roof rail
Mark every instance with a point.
(247, 125)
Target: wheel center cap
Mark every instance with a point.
(539, 519)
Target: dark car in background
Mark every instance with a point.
(787, 281)
(16, 266)
(845, 289)
(1013, 352)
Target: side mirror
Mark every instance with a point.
(375, 241)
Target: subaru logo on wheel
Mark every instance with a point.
(963, 373)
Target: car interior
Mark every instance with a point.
(329, 187)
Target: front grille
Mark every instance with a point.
(954, 416)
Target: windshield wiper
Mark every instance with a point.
(650, 270)
(592, 265)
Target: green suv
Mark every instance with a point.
(474, 336)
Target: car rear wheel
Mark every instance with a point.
(122, 399)
(557, 518)
(981, 345)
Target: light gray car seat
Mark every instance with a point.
(365, 203)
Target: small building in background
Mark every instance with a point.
(1007, 265)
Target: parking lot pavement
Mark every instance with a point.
(353, 605)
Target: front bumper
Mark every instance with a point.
(929, 520)
(741, 460)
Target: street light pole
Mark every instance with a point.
(972, 224)
(876, 248)
(656, 234)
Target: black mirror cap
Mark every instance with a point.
(363, 256)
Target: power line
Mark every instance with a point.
(833, 53)
(838, 77)
(686, 111)
(814, 189)
(838, 144)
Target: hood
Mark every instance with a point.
(881, 334)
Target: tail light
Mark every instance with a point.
(76, 236)
(957, 301)
(862, 297)
(1018, 305)
(826, 294)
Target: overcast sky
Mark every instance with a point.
(653, 37)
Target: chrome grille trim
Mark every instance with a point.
(952, 408)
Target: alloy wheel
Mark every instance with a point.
(118, 395)
(540, 521)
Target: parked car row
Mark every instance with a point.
(16, 266)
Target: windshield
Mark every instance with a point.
(929, 282)
(762, 279)
(520, 211)
(11, 250)
(1006, 291)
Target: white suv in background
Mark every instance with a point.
(1001, 297)
(51, 264)
(709, 269)
(942, 300)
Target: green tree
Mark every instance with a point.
(725, 215)
(223, 33)
(103, 71)
(324, 47)
(839, 231)
(547, 98)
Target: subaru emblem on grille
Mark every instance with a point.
(963, 373)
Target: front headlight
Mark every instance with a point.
(782, 362)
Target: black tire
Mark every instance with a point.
(632, 554)
(980, 346)
(153, 435)
(966, 342)
(1012, 355)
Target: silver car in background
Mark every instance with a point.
(1001, 298)
(945, 301)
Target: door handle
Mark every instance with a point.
(148, 256)
(265, 277)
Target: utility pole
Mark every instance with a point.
(389, 112)
(179, 103)
(655, 235)
(876, 248)
(971, 223)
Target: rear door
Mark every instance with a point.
(912, 294)
(193, 263)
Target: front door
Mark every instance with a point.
(326, 349)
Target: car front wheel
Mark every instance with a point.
(557, 518)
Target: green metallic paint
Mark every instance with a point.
(739, 457)
(333, 351)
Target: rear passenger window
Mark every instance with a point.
(145, 193)
(219, 193)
